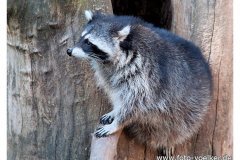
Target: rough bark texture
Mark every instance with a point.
(53, 104)
(208, 23)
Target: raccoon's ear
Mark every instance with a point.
(123, 33)
(88, 15)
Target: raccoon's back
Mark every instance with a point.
(185, 85)
(183, 69)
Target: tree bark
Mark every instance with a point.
(209, 25)
(53, 103)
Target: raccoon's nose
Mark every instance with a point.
(69, 51)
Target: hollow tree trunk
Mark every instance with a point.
(53, 104)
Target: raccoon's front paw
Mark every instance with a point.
(106, 130)
(101, 132)
(107, 118)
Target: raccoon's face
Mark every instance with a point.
(101, 38)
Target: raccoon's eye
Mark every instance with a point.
(88, 42)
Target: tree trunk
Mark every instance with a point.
(209, 25)
(53, 103)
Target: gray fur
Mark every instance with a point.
(158, 83)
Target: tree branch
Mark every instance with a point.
(105, 148)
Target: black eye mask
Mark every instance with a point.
(93, 51)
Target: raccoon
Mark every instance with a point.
(159, 84)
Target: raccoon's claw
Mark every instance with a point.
(107, 130)
(101, 132)
(106, 119)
